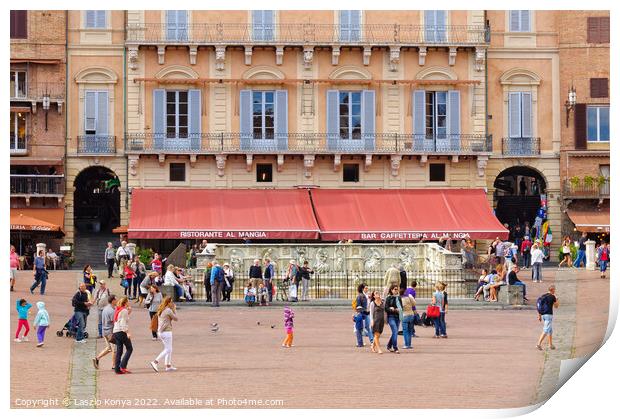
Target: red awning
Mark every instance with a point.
(221, 214)
(590, 219)
(405, 214)
(37, 219)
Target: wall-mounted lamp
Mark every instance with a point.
(46, 106)
(570, 102)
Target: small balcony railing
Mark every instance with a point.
(19, 145)
(305, 34)
(311, 143)
(521, 146)
(35, 91)
(96, 144)
(43, 185)
(597, 188)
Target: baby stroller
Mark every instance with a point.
(70, 329)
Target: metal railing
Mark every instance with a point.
(314, 143)
(305, 34)
(521, 146)
(19, 145)
(582, 189)
(37, 185)
(343, 285)
(35, 91)
(96, 144)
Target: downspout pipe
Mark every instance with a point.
(64, 170)
(125, 113)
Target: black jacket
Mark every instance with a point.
(256, 272)
(391, 304)
(79, 301)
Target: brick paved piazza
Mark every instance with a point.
(489, 360)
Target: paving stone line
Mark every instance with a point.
(564, 326)
(83, 379)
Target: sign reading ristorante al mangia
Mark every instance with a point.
(223, 235)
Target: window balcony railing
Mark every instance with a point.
(305, 34)
(42, 185)
(36, 91)
(19, 145)
(96, 144)
(521, 146)
(597, 188)
(309, 143)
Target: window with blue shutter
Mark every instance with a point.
(520, 121)
(350, 25)
(194, 112)
(332, 123)
(454, 120)
(281, 122)
(159, 118)
(245, 119)
(263, 25)
(435, 29)
(368, 119)
(95, 122)
(520, 20)
(419, 121)
(95, 19)
(176, 25)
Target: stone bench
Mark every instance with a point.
(168, 290)
(510, 294)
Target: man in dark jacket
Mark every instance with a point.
(217, 283)
(403, 276)
(513, 280)
(256, 273)
(81, 306)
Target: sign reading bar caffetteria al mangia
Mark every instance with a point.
(307, 235)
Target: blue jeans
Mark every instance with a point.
(602, 264)
(537, 271)
(440, 324)
(358, 335)
(40, 278)
(394, 322)
(80, 316)
(581, 257)
(526, 259)
(179, 290)
(367, 327)
(408, 329)
(521, 283)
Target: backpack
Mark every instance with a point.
(542, 304)
(298, 275)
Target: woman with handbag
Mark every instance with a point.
(152, 302)
(394, 310)
(139, 274)
(166, 314)
(127, 280)
(377, 312)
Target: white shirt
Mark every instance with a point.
(537, 256)
(170, 279)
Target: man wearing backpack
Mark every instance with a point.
(545, 305)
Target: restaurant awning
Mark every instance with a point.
(405, 214)
(37, 219)
(590, 219)
(221, 214)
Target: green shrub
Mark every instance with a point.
(146, 255)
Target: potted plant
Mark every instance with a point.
(588, 181)
(575, 181)
(601, 180)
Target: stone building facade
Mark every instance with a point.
(37, 119)
(335, 99)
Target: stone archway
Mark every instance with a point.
(97, 201)
(517, 195)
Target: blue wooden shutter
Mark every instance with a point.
(102, 113)
(441, 22)
(268, 25)
(90, 109)
(91, 18)
(100, 19)
(182, 25)
(194, 129)
(355, 18)
(514, 115)
(281, 119)
(333, 122)
(368, 119)
(515, 21)
(454, 119)
(159, 118)
(429, 25)
(171, 25)
(419, 119)
(245, 118)
(525, 21)
(526, 123)
(343, 25)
